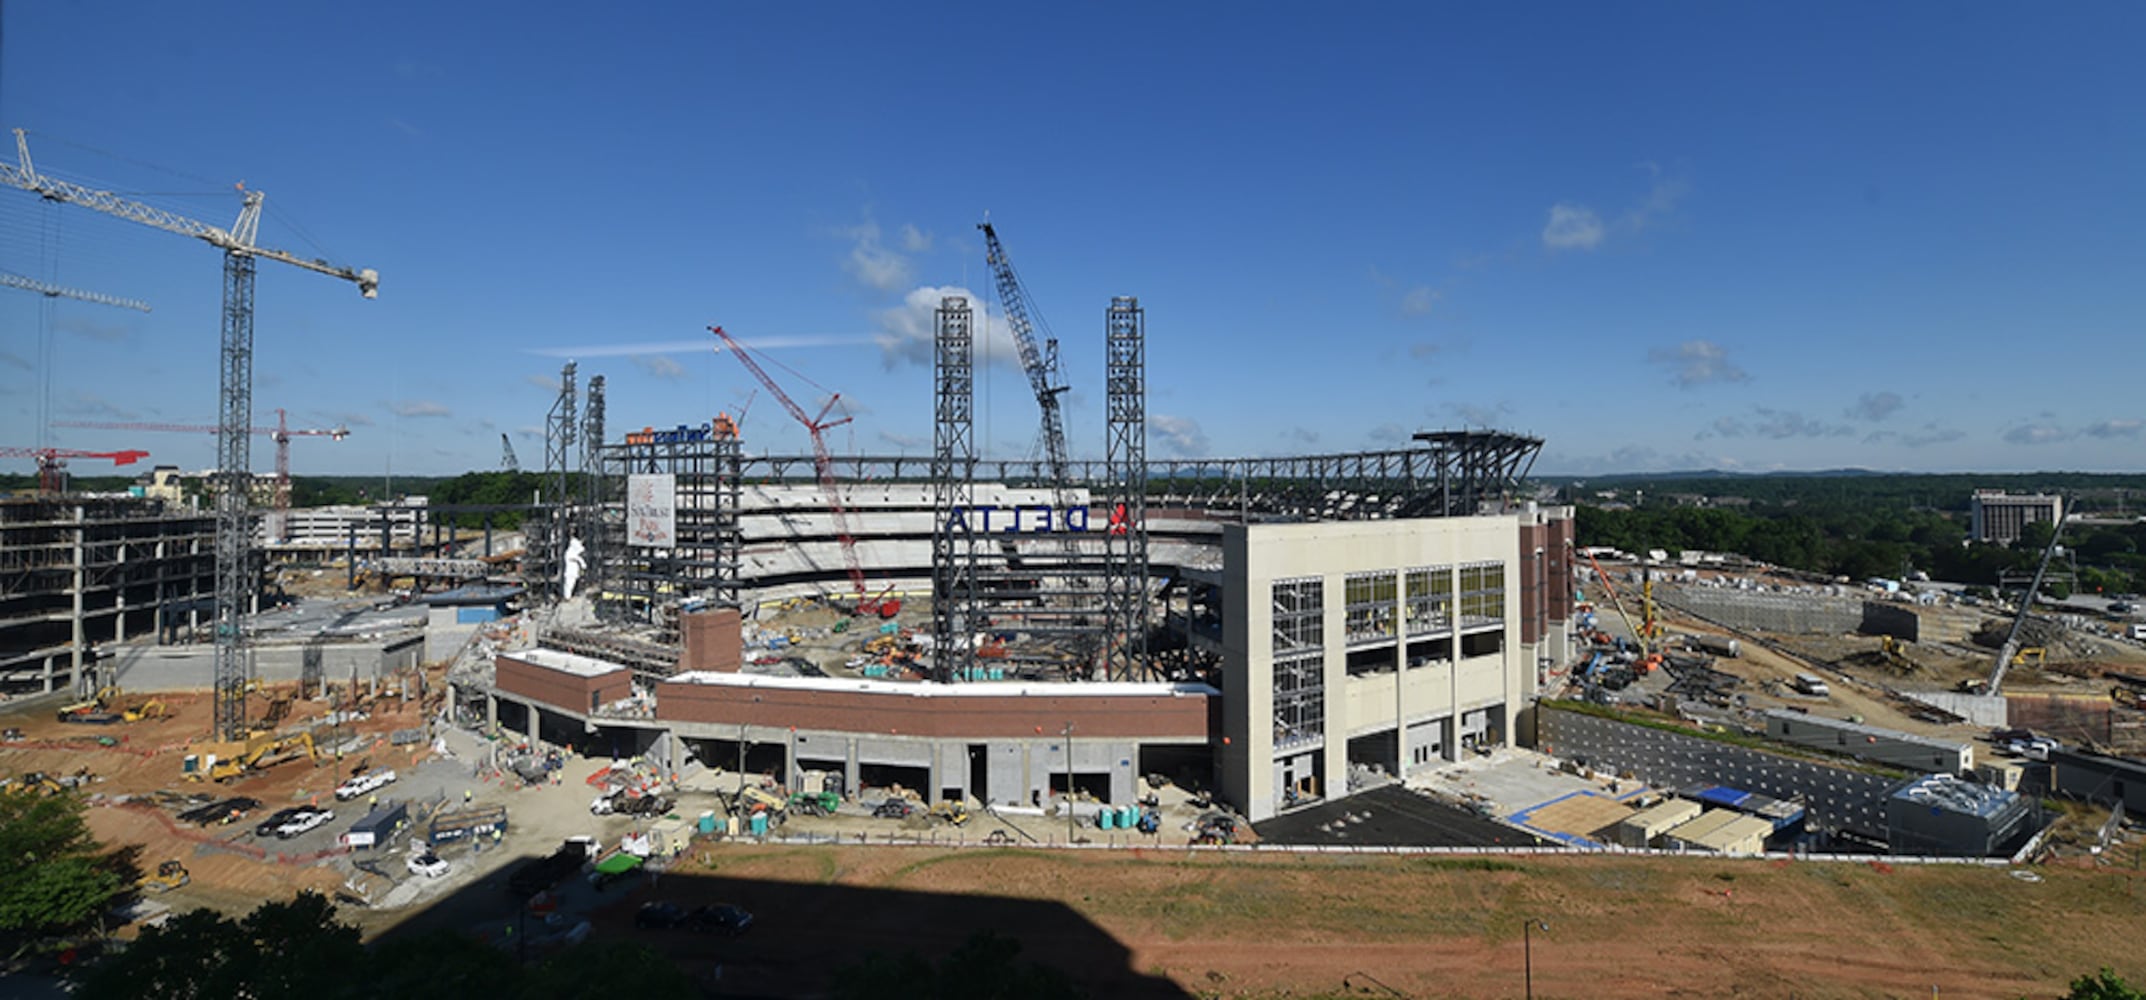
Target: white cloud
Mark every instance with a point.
(419, 408)
(1391, 433)
(904, 441)
(1301, 436)
(91, 329)
(1480, 416)
(548, 383)
(1697, 362)
(351, 419)
(81, 403)
(1180, 436)
(1771, 423)
(1572, 227)
(1423, 350)
(1661, 199)
(1419, 301)
(915, 240)
(872, 263)
(1925, 436)
(15, 360)
(659, 366)
(530, 431)
(2036, 434)
(907, 330)
(1875, 406)
(2115, 429)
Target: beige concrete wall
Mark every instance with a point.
(1256, 556)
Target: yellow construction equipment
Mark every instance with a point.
(1895, 652)
(168, 876)
(32, 783)
(950, 811)
(2035, 655)
(151, 709)
(223, 760)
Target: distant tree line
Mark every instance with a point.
(1858, 527)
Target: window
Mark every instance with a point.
(1430, 600)
(1299, 701)
(1299, 607)
(1482, 594)
(1370, 606)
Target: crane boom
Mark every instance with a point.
(238, 239)
(2010, 649)
(1045, 377)
(822, 462)
(56, 292)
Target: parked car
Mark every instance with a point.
(428, 864)
(721, 918)
(267, 827)
(306, 820)
(659, 916)
(363, 784)
(220, 811)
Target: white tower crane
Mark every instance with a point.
(234, 429)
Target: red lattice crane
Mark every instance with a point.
(281, 434)
(822, 464)
(51, 462)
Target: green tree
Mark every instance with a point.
(2103, 985)
(52, 877)
(295, 949)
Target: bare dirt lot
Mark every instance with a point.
(1176, 922)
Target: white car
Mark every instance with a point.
(303, 822)
(428, 864)
(362, 784)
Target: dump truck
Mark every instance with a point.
(543, 873)
(463, 824)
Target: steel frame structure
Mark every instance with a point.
(1125, 535)
(953, 539)
(706, 561)
(553, 526)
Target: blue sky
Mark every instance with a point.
(1662, 236)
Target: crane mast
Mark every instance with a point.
(1045, 377)
(234, 461)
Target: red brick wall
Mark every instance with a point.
(712, 640)
(559, 688)
(1532, 572)
(970, 716)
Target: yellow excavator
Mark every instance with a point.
(151, 709)
(223, 760)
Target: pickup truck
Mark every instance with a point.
(368, 782)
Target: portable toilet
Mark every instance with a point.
(707, 822)
(760, 824)
(1106, 819)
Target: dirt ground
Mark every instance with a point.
(135, 786)
(1176, 922)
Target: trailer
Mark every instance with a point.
(464, 824)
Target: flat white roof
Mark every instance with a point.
(927, 689)
(572, 663)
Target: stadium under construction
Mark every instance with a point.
(1273, 629)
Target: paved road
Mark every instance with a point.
(1392, 816)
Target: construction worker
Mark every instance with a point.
(372, 801)
(467, 795)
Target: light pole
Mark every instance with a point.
(1069, 784)
(1527, 951)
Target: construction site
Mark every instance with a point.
(685, 647)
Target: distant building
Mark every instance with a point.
(2001, 517)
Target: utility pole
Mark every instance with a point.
(1069, 783)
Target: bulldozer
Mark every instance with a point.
(168, 876)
